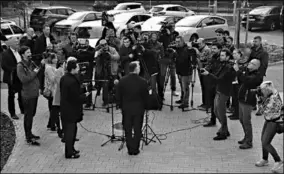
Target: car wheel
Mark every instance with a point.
(272, 26)
(193, 38)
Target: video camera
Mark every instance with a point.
(164, 27)
(257, 91)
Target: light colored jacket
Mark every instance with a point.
(114, 59)
(56, 94)
(271, 107)
(49, 74)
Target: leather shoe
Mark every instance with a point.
(73, 156)
(15, 117)
(130, 153)
(209, 124)
(35, 137)
(76, 151)
(33, 142)
(227, 134)
(178, 101)
(220, 137)
(136, 153)
(241, 141)
(245, 146)
(183, 106)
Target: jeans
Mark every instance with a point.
(235, 101)
(11, 101)
(50, 124)
(185, 82)
(245, 119)
(163, 78)
(202, 84)
(220, 111)
(267, 135)
(30, 106)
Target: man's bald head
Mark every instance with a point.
(30, 32)
(254, 64)
(103, 41)
(13, 42)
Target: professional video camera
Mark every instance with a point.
(164, 27)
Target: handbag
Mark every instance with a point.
(280, 124)
(47, 93)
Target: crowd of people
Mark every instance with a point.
(127, 67)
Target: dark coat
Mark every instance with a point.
(124, 57)
(186, 59)
(132, 94)
(25, 41)
(9, 63)
(71, 99)
(2, 38)
(224, 78)
(248, 80)
(40, 47)
(262, 56)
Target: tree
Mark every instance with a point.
(20, 8)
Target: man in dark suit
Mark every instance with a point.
(29, 39)
(132, 94)
(11, 57)
(71, 106)
(44, 41)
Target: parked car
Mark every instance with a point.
(267, 17)
(11, 30)
(49, 15)
(127, 7)
(90, 30)
(121, 20)
(5, 21)
(104, 5)
(155, 23)
(200, 26)
(171, 10)
(69, 24)
(281, 17)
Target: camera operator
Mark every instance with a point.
(126, 55)
(129, 32)
(107, 67)
(71, 110)
(185, 63)
(69, 49)
(85, 54)
(167, 34)
(148, 60)
(223, 78)
(158, 49)
(137, 30)
(132, 97)
(213, 65)
(204, 56)
(248, 78)
(271, 107)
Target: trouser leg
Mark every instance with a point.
(127, 125)
(220, 112)
(69, 133)
(137, 124)
(30, 106)
(11, 101)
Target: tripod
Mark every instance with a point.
(145, 138)
(112, 138)
(192, 88)
(165, 85)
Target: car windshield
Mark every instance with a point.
(76, 16)
(260, 10)
(89, 32)
(120, 7)
(156, 9)
(5, 29)
(121, 18)
(154, 20)
(190, 21)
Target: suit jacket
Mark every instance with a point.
(9, 63)
(40, 47)
(71, 99)
(132, 94)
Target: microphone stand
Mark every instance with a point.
(112, 138)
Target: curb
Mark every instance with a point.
(275, 63)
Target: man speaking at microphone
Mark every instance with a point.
(132, 95)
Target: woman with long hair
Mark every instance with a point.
(270, 106)
(49, 84)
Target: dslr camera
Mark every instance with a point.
(257, 91)
(165, 26)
